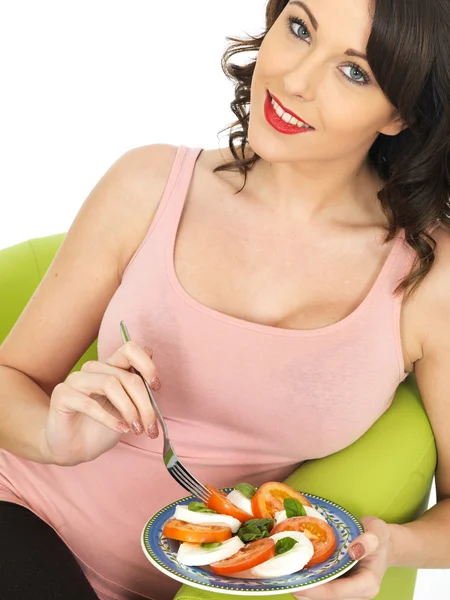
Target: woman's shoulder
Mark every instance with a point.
(144, 167)
(131, 191)
(430, 303)
(141, 174)
(437, 281)
(86, 271)
(439, 276)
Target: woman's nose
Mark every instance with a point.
(304, 77)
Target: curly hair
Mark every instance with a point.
(409, 54)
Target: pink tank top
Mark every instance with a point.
(239, 399)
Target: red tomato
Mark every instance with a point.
(249, 556)
(270, 497)
(196, 534)
(220, 503)
(317, 531)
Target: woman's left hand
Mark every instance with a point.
(364, 580)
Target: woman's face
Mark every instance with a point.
(312, 62)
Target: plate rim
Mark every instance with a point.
(148, 552)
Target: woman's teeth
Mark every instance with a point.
(287, 118)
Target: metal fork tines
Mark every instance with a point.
(173, 464)
(181, 474)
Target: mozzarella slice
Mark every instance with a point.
(291, 561)
(310, 512)
(280, 516)
(241, 501)
(201, 518)
(193, 555)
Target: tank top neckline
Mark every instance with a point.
(180, 186)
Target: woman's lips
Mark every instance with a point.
(286, 110)
(281, 125)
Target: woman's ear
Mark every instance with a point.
(395, 126)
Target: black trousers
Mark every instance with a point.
(35, 564)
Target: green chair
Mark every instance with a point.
(388, 472)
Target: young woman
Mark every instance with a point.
(303, 271)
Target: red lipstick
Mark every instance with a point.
(278, 123)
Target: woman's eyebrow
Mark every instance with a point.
(312, 18)
(315, 24)
(351, 52)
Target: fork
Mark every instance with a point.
(173, 464)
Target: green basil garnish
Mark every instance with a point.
(245, 488)
(255, 529)
(284, 545)
(293, 508)
(200, 507)
(211, 546)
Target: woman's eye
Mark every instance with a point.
(299, 28)
(352, 72)
(355, 74)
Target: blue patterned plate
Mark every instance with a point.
(161, 552)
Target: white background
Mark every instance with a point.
(83, 81)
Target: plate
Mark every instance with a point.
(161, 552)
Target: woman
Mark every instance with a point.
(282, 277)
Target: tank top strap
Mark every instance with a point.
(404, 262)
(173, 198)
(406, 256)
(400, 259)
(177, 188)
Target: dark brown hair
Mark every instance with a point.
(409, 54)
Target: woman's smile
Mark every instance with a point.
(282, 119)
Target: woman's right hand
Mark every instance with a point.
(94, 407)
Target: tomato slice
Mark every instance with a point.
(252, 554)
(270, 496)
(220, 503)
(319, 532)
(196, 534)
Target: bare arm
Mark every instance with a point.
(425, 543)
(63, 317)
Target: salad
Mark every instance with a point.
(270, 531)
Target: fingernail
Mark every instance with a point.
(155, 384)
(153, 430)
(149, 351)
(357, 551)
(137, 426)
(122, 427)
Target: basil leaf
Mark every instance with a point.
(200, 507)
(260, 522)
(255, 529)
(293, 508)
(211, 546)
(245, 488)
(284, 545)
